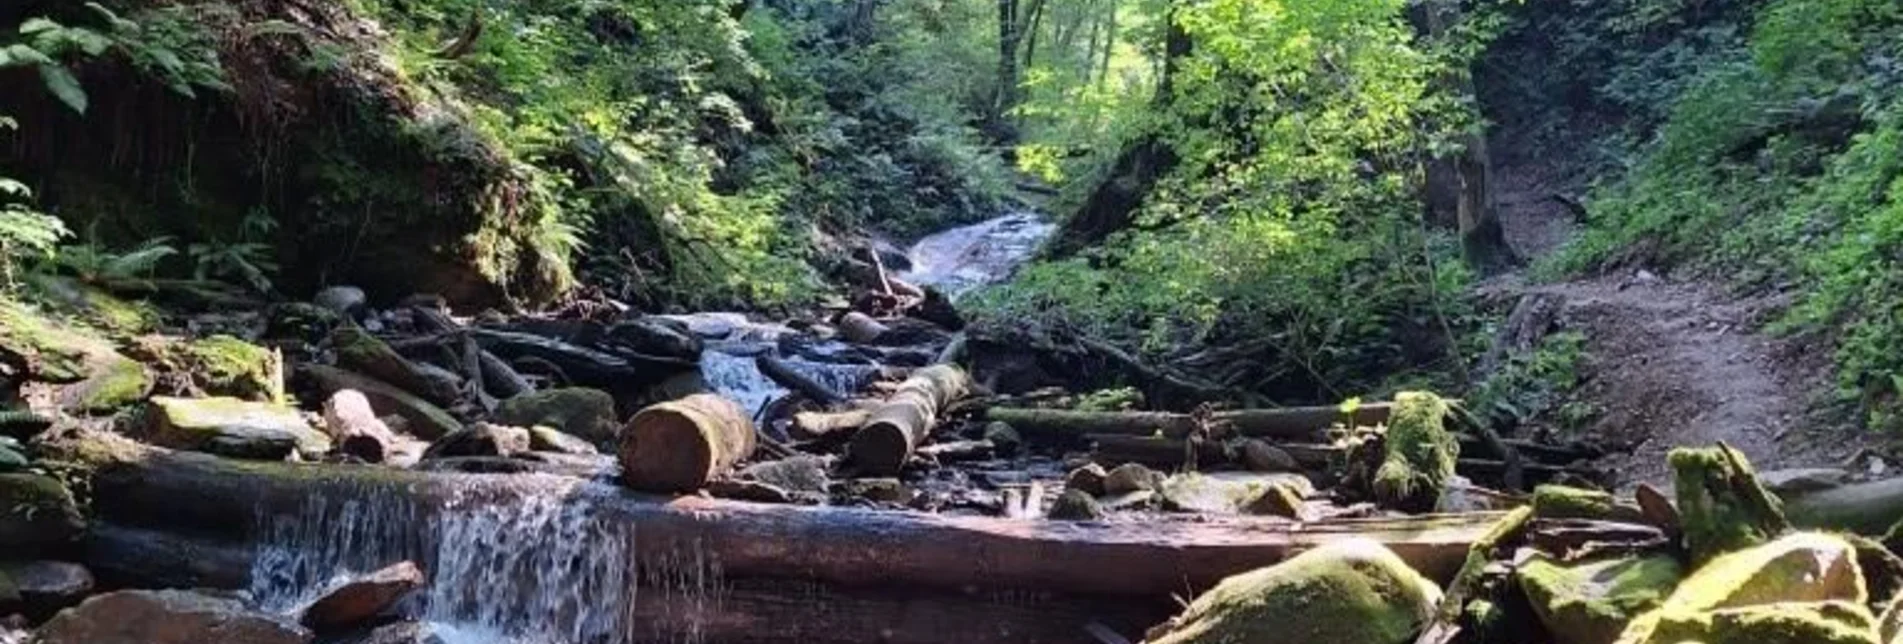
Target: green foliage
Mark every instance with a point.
(93, 264)
(1779, 165)
(1291, 227)
(1536, 385)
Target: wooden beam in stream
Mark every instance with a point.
(849, 548)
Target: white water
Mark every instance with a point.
(965, 258)
(738, 378)
(538, 567)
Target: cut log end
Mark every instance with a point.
(881, 447)
(679, 446)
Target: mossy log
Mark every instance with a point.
(1420, 454)
(178, 492)
(1721, 504)
(894, 429)
(1309, 424)
(679, 446)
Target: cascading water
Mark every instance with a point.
(738, 378)
(967, 257)
(538, 567)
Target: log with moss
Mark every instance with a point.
(894, 429)
(679, 446)
(1308, 424)
(1420, 454)
(184, 493)
(1721, 504)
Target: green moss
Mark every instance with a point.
(1591, 601)
(36, 511)
(1799, 569)
(226, 366)
(119, 382)
(578, 411)
(1721, 504)
(1562, 502)
(1420, 454)
(1798, 623)
(1352, 590)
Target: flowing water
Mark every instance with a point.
(961, 259)
(538, 564)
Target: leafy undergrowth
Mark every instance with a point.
(1779, 166)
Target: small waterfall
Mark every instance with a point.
(539, 567)
(738, 378)
(965, 258)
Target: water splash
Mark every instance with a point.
(965, 258)
(535, 564)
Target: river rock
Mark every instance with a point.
(233, 427)
(800, 473)
(36, 513)
(1006, 438)
(481, 439)
(404, 632)
(1130, 477)
(543, 438)
(1076, 505)
(345, 301)
(1350, 591)
(45, 587)
(426, 420)
(1799, 582)
(167, 617)
(70, 367)
(1233, 492)
(1259, 456)
(1088, 479)
(579, 411)
(1591, 601)
(357, 601)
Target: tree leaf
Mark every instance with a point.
(39, 25)
(64, 85)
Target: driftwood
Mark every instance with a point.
(956, 451)
(679, 446)
(180, 492)
(1866, 508)
(786, 376)
(583, 365)
(821, 425)
(1291, 423)
(896, 428)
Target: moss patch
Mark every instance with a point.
(36, 512)
(1591, 601)
(1420, 454)
(1354, 590)
(222, 365)
(1764, 592)
(1720, 502)
(80, 368)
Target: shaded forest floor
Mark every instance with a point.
(1674, 361)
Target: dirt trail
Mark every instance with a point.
(1673, 363)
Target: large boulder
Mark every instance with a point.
(36, 513)
(222, 365)
(1591, 601)
(1230, 492)
(167, 617)
(1352, 591)
(233, 427)
(355, 602)
(1804, 587)
(583, 412)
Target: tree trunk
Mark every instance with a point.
(1864, 508)
(786, 376)
(679, 446)
(1482, 239)
(1010, 34)
(894, 429)
(188, 493)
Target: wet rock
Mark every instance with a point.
(754, 491)
(582, 412)
(70, 367)
(233, 427)
(877, 490)
(1786, 585)
(1004, 437)
(1088, 479)
(222, 365)
(1130, 477)
(1230, 492)
(1260, 456)
(1277, 500)
(798, 473)
(543, 438)
(404, 632)
(657, 336)
(1353, 590)
(1790, 483)
(1591, 601)
(167, 617)
(357, 601)
(345, 301)
(360, 352)
(481, 439)
(425, 420)
(46, 587)
(1076, 505)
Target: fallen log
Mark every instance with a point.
(822, 425)
(736, 611)
(1865, 508)
(786, 376)
(585, 366)
(894, 429)
(957, 451)
(137, 486)
(679, 446)
(860, 328)
(1292, 423)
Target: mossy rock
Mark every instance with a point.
(70, 366)
(222, 365)
(1591, 601)
(1834, 622)
(1419, 454)
(233, 427)
(583, 412)
(1075, 505)
(36, 513)
(366, 354)
(1353, 590)
(95, 305)
(1721, 505)
(1227, 492)
(1798, 569)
